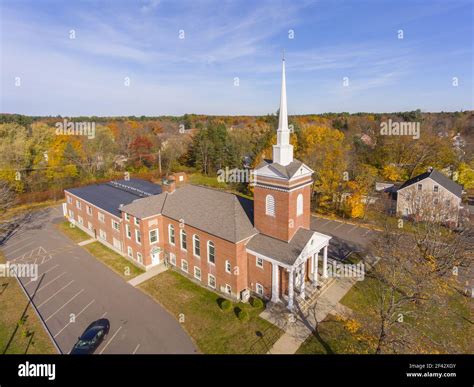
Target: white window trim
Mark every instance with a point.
(270, 206)
(101, 217)
(139, 257)
(173, 259)
(136, 221)
(80, 220)
(171, 227)
(208, 254)
(136, 237)
(228, 289)
(89, 210)
(157, 236)
(209, 276)
(128, 231)
(194, 245)
(127, 217)
(78, 205)
(259, 286)
(181, 232)
(184, 262)
(69, 199)
(256, 262)
(299, 204)
(101, 233)
(114, 222)
(130, 251)
(227, 263)
(200, 273)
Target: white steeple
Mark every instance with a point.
(283, 151)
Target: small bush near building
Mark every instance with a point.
(243, 315)
(256, 302)
(225, 305)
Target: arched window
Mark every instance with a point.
(211, 252)
(171, 234)
(299, 205)
(270, 205)
(196, 246)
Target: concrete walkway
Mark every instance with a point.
(86, 242)
(298, 326)
(147, 275)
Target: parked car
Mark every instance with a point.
(92, 337)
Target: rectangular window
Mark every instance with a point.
(228, 289)
(259, 288)
(102, 234)
(137, 222)
(228, 267)
(184, 242)
(89, 226)
(197, 273)
(115, 225)
(129, 231)
(196, 246)
(130, 252)
(127, 217)
(101, 217)
(184, 265)
(153, 236)
(89, 210)
(78, 204)
(171, 234)
(69, 200)
(138, 237)
(80, 220)
(71, 214)
(139, 258)
(173, 259)
(435, 188)
(211, 280)
(211, 252)
(420, 186)
(260, 263)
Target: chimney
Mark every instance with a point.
(430, 169)
(168, 185)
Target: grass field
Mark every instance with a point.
(213, 330)
(74, 233)
(21, 331)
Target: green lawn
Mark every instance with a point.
(115, 261)
(452, 326)
(21, 332)
(74, 233)
(213, 330)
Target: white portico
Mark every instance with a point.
(294, 264)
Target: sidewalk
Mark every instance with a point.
(147, 275)
(297, 327)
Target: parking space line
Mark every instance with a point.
(57, 310)
(340, 225)
(136, 349)
(329, 221)
(109, 341)
(352, 228)
(77, 315)
(50, 282)
(103, 315)
(367, 232)
(47, 271)
(18, 249)
(60, 290)
(15, 243)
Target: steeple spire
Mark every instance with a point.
(283, 151)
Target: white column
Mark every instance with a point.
(325, 262)
(290, 289)
(315, 268)
(275, 283)
(303, 274)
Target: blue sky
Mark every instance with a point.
(228, 39)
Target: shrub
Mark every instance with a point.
(243, 315)
(225, 305)
(256, 302)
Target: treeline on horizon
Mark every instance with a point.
(347, 151)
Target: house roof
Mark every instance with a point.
(438, 177)
(109, 196)
(225, 215)
(284, 252)
(287, 171)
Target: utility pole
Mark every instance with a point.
(159, 161)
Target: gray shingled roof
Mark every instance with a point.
(287, 171)
(438, 177)
(284, 252)
(219, 213)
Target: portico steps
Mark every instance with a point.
(310, 299)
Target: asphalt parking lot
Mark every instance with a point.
(73, 289)
(354, 234)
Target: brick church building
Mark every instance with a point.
(225, 242)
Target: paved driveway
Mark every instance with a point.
(73, 289)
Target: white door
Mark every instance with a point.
(155, 256)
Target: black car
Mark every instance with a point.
(94, 334)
